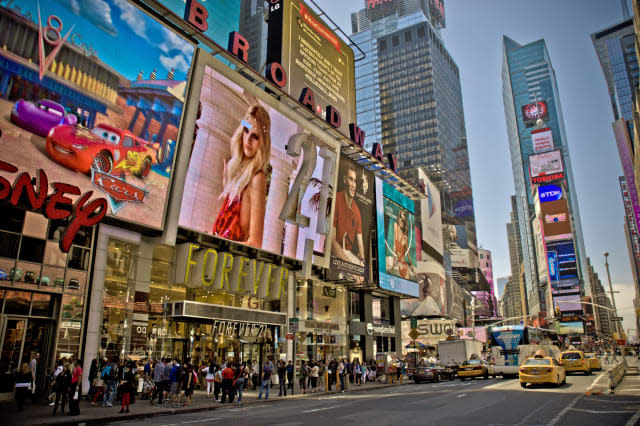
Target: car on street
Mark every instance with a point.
(541, 369)
(432, 372)
(575, 361)
(473, 368)
(104, 148)
(594, 361)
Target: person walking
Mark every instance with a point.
(255, 375)
(23, 385)
(314, 373)
(267, 371)
(93, 375)
(342, 372)
(290, 376)
(61, 385)
(217, 382)
(304, 374)
(109, 374)
(166, 381)
(209, 372)
(126, 388)
(242, 377)
(357, 370)
(227, 384)
(75, 390)
(190, 380)
(33, 366)
(282, 378)
(158, 379)
(400, 370)
(333, 371)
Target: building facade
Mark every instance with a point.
(541, 161)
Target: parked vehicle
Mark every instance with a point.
(458, 351)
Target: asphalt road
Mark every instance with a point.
(477, 402)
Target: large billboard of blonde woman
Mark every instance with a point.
(240, 173)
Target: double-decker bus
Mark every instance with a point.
(512, 344)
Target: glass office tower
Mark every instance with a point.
(528, 79)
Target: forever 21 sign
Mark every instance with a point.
(32, 193)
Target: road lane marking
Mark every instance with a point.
(461, 395)
(320, 409)
(535, 411)
(624, 401)
(632, 421)
(558, 416)
(603, 412)
(203, 420)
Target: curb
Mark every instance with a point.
(171, 411)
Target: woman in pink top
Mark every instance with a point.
(76, 380)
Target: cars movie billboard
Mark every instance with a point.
(314, 58)
(353, 222)
(396, 240)
(95, 99)
(243, 171)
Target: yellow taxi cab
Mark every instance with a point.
(473, 368)
(594, 361)
(541, 369)
(575, 361)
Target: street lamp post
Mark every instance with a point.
(613, 299)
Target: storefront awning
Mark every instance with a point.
(187, 309)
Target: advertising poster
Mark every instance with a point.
(561, 257)
(396, 240)
(548, 193)
(567, 305)
(555, 220)
(432, 293)
(542, 140)
(431, 213)
(571, 327)
(456, 299)
(431, 331)
(533, 111)
(353, 222)
(485, 305)
(625, 150)
(313, 56)
(546, 163)
(469, 333)
(458, 243)
(436, 8)
(75, 106)
(240, 174)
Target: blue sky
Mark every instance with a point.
(123, 36)
(474, 38)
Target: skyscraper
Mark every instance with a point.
(409, 100)
(549, 223)
(615, 47)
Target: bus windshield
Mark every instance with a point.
(512, 344)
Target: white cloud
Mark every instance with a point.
(133, 17)
(98, 12)
(178, 62)
(172, 41)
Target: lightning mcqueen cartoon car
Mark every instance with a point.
(105, 148)
(40, 117)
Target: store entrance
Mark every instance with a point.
(19, 338)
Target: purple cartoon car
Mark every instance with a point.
(41, 116)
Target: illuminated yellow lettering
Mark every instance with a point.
(190, 261)
(205, 264)
(227, 265)
(257, 276)
(239, 274)
(284, 278)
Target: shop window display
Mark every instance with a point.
(130, 289)
(321, 309)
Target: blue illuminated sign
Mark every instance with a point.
(549, 193)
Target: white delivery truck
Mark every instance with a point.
(458, 351)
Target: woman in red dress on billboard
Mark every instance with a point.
(241, 217)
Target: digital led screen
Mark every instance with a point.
(561, 258)
(396, 240)
(240, 173)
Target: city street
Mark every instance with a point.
(493, 401)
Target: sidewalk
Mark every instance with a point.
(630, 384)
(40, 414)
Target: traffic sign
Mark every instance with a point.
(289, 336)
(414, 322)
(293, 325)
(414, 334)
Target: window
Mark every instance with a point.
(382, 44)
(127, 142)
(395, 41)
(407, 36)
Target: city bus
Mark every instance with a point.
(511, 345)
